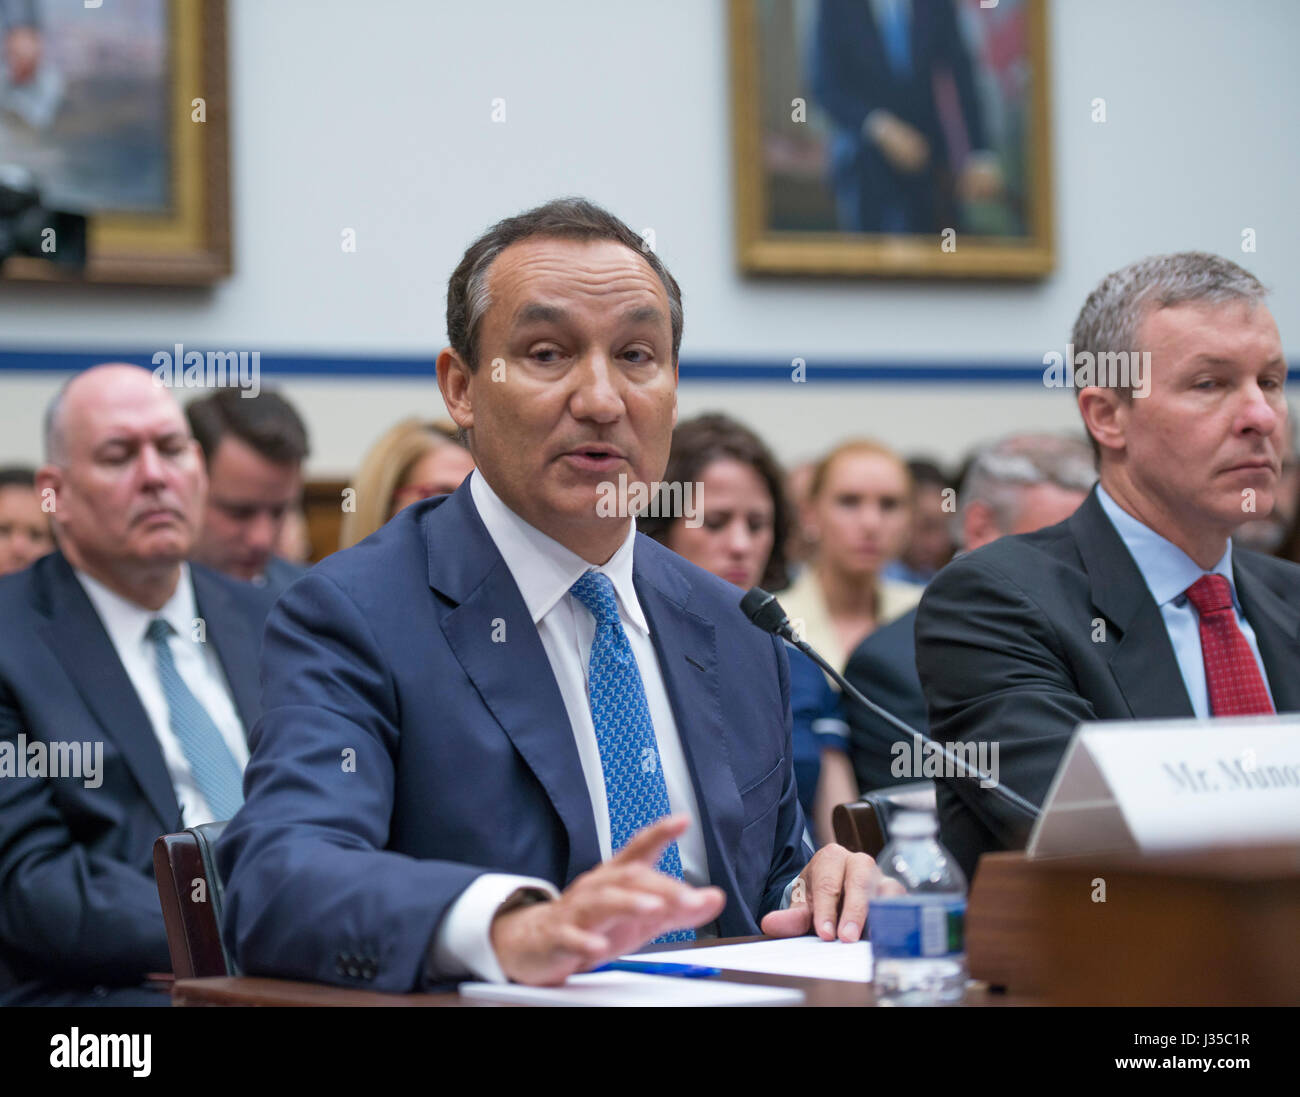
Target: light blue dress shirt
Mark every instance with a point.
(1168, 572)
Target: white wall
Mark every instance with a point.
(376, 117)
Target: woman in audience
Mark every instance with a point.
(24, 528)
(412, 461)
(858, 515)
(735, 525)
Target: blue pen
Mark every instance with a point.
(649, 967)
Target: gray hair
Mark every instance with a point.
(998, 472)
(468, 295)
(1109, 320)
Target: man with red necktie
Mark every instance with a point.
(1138, 605)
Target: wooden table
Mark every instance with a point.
(249, 991)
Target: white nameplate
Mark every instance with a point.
(1162, 785)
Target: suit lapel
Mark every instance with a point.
(690, 670)
(1142, 658)
(513, 678)
(237, 645)
(75, 635)
(1277, 630)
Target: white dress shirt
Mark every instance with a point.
(1168, 572)
(198, 665)
(544, 570)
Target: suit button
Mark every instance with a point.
(352, 970)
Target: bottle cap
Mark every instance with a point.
(913, 824)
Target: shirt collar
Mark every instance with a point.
(1167, 569)
(544, 569)
(126, 623)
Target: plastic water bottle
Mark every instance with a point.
(917, 936)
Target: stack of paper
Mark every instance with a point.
(626, 988)
(806, 957)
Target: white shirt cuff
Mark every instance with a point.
(463, 943)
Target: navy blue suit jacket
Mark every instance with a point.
(414, 737)
(850, 76)
(78, 902)
(884, 668)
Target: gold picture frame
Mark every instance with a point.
(189, 243)
(766, 246)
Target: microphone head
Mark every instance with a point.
(765, 611)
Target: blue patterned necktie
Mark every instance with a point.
(629, 753)
(214, 767)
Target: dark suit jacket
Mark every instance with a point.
(414, 737)
(850, 76)
(279, 574)
(78, 902)
(1005, 650)
(883, 667)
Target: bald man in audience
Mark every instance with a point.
(128, 679)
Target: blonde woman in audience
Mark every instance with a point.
(414, 460)
(858, 516)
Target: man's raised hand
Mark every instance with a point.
(614, 908)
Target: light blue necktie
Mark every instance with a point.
(214, 767)
(897, 36)
(629, 753)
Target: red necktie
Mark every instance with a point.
(1232, 676)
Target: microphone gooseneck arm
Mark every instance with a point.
(765, 611)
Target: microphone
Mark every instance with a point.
(765, 611)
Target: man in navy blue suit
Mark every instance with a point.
(506, 737)
(127, 681)
(873, 70)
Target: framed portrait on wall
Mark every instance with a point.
(892, 137)
(118, 112)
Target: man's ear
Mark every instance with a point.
(1105, 415)
(454, 384)
(978, 526)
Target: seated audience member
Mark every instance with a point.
(929, 540)
(294, 542)
(858, 515)
(1007, 637)
(141, 728)
(24, 526)
(736, 526)
(254, 448)
(414, 460)
(506, 736)
(1017, 485)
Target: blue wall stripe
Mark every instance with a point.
(702, 369)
